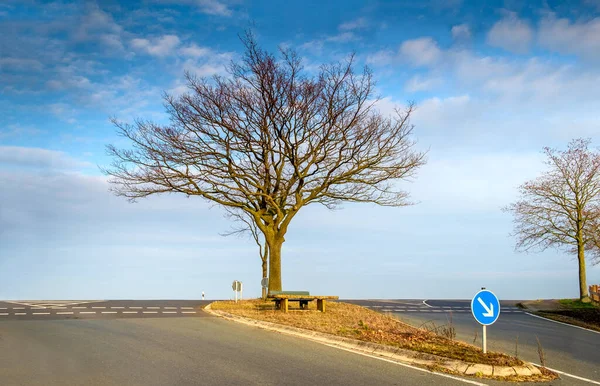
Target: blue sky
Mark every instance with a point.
(493, 83)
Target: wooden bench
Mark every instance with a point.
(282, 298)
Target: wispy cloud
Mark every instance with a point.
(156, 46)
(512, 34)
(563, 36)
(359, 23)
(16, 156)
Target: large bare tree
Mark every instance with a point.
(561, 208)
(269, 140)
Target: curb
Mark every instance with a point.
(396, 354)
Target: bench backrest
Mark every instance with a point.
(289, 293)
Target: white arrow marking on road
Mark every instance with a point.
(489, 312)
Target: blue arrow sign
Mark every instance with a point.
(485, 307)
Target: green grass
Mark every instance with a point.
(575, 303)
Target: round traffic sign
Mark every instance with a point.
(485, 307)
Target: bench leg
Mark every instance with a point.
(284, 305)
(321, 305)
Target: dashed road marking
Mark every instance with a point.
(170, 308)
(150, 312)
(187, 308)
(4, 314)
(65, 313)
(153, 308)
(40, 313)
(130, 312)
(87, 312)
(75, 308)
(99, 307)
(169, 312)
(136, 308)
(109, 312)
(115, 308)
(20, 313)
(188, 312)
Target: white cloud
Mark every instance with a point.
(461, 32)
(20, 64)
(209, 7)
(19, 131)
(213, 7)
(421, 52)
(420, 83)
(565, 37)
(511, 34)
(195, 51)
(359, 23)
(381, 58)
(158, 46)
(38, 158)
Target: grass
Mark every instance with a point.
(576, 304)
(352, 321)
(582, 317)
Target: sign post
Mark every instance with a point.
(485, 307)
(237, 287)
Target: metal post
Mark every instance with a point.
(235, 292)
(484, 340)
(241, 290)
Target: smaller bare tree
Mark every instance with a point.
(247, 225)
(561, 208)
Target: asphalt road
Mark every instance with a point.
(154, 349)
(569, 349)
(95, 309)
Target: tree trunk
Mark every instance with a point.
(583, 290)
(275, 245)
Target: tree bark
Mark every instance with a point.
(275, 245)
(583, 290)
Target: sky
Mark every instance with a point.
(494, 82)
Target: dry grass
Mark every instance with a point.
(352, 321)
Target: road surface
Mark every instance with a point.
(568, 349)
(173, 349)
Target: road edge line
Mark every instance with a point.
(566, 324)
(571, 375)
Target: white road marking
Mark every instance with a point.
(188, 312)
(136, 308)
(40, 313)
(187, 308)
(75, 308)
(20, 313)
(87, 312)
(169, 312)
(566, 324)
(2, 308)
(153, 308)
(59, 308)
(130, 312)
(99, 307)
(115, 308)
(65, 313)
(170, 308)
(425, 302)
(20, 308)
(571, 375)
(4, 314)
(109, 312)
(150, 312)
(405, 365)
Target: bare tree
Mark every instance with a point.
(249, 226)
(269, 140)
(561, 208)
